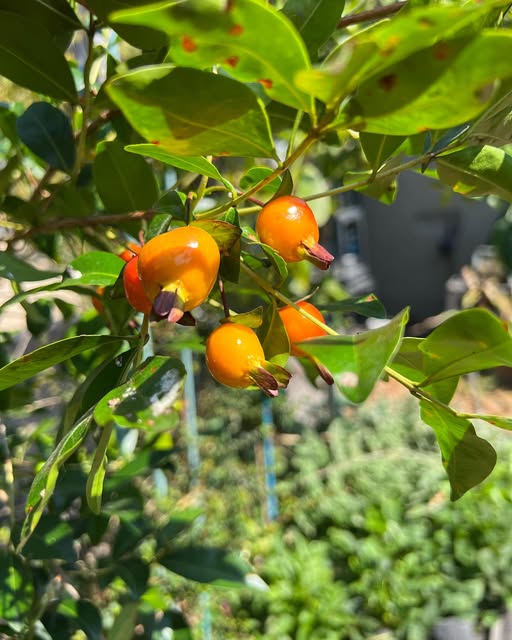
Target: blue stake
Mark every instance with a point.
(269, 460)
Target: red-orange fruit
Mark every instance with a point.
(178, 270)
(130, 252)
(288, 225)
(133, 290)
(235, 357)
(300, 328)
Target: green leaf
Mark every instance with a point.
(224, 117)
(146, 399)
(98, 268)
(204, 34)
(16, 587)
(467, 458)
(252, 319)
(124, 181)
(47, 132)
(358, 361)
(140, 37)
(477, 171)
(179, 522)
(56, 16)
(494, 125)
(208, 565)
(468, 341)
(199, 165)
(383, 189)
(368, 305)
(378, 148)
(374, 50)
(254, 175)
(171, 203)
(45, 481)
(315, 20)
(32, 363)
(274, 338)
(411, 363)
(436, 88)
(14, 268)
(124, 624)
(53, 540)
(29, 57)
(497, 421)
(224, 234)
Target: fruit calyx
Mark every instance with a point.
(316, 254)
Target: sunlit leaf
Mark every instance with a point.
(477, 171)
(14, 268)
(223, 118)
(358, 361)
(147, 398)
(205, 34)
(315, 20)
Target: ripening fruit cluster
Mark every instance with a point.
(174, 272)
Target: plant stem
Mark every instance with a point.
(86, 103)
(371, 14)
(364, 183)
(144, 330)
(282, 298)
(7, 474)
(309, 140)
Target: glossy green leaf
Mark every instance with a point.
(497, 421)
(97, 473)
(208, 565)
(358, 361)
(125, 182)
(315, 20)
(411, 363)
(147, 398)
(255, 175)
(56, 16)
(29, 57)
(372, 51)
(199, 165)
(223, 118)
(224, 234)
(436, 88)
(252, 319)
(171, 203)
(140, 37)
(53, 539)
(477, 171)
(179, 522)
(383, 189)
(378, 148)
(369, 306)
(124, 624)
(471, 340)
(467, 458)
(97, 268)
(45, 480)
(273, 337)
(205, 34)
(14, 268)
(47, 132)
(494, 125)
(36, 361)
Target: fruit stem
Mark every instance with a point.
(277, 294)
(225, 305)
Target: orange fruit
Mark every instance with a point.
(178, 270)
(300, 328)
(133, 290)
(235, 357)
(288, 225)
(130, 252)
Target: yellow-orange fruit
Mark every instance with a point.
(300, 328)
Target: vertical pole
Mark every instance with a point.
(194, 462)
(191, 416)
(269, 460)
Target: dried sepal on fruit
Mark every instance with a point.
(288, 225)
(300, 328)
(178, 270)
(235, 357)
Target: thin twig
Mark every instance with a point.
(371, 14)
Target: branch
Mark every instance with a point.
(371, 14)
(58, 224)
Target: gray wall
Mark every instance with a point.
(417, 243)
